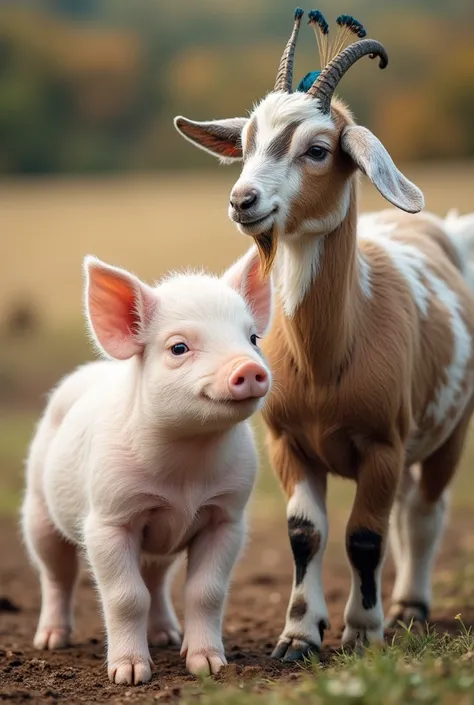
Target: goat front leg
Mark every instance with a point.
(366, 539)
(307, 614)
(211, 557)
(114, 554)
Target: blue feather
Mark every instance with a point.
(307, 81)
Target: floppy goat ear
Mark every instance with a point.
(119, 308)
(219, 137)
(244, 276)
(373, 159)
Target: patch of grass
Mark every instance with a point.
(431, 668)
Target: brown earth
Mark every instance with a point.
(255, 615)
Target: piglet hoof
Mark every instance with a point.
(409, 613)
(130, 673)
(204, 664)
(52, 638)
(164, 637)
(296, 649)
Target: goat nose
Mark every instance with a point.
(249, 380)
(244, 200)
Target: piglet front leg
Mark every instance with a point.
(114, 554)
(211, 557)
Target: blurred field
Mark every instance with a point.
(152, 224)
(148, 224)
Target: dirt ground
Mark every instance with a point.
(255, 615)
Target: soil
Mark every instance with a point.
(254, 618)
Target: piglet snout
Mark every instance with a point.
(248, 380)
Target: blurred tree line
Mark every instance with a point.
(93, 85)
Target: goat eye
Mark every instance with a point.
(253, 339)
(179, 349)
(317, 153)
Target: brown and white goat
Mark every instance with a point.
(371, 346)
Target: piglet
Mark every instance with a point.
(147, 454)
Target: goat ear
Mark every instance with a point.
(219, 137)
(244, 276)
(119, 308)
(373, 159)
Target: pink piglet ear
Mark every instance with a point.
(119, 308)
(244, 276)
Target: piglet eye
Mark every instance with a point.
(254, 338)
(317, 153)
(179, 349)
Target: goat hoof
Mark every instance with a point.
(357, 638)
(295, 650)
(408, 612)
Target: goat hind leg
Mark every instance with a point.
(423, 517)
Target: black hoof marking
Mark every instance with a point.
(305, 541)
(322, 626)
(364, 548)
(298, 608)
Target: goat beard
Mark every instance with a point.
(267, 244)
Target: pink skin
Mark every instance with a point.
(248, 380)
(148, 454)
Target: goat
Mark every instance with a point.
(371, 345)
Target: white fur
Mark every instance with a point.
(131, 461)
(423, 283)
(310, 132)
(361, 623)
(460, 230)
(450, 394)
(415, 534)
(299, 261)
(278, 181)
(407, 259)
(278, 109)
(364, 275)
(306, 502)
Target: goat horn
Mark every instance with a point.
(284, 79)
(326, 83)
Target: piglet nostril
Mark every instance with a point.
(249, 380)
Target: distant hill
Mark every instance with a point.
(92, 86)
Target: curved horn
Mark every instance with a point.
(325, 85)
(284, 79)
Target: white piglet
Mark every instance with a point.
(147, 454)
